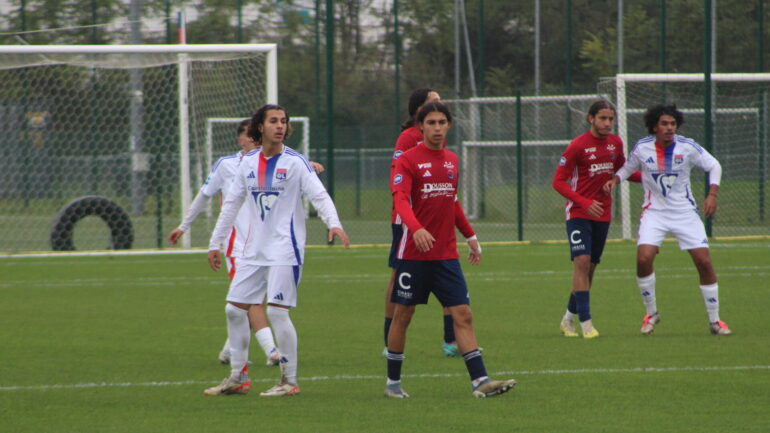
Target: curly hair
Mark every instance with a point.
(653, 114)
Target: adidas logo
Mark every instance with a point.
(251, 175)
(278, 297)
(645, 293)
(650, 160)
(712, 300)
(427, 174)
(593, 156)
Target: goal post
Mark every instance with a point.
(99, 117)
(740, 114)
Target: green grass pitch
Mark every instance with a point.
(128, 343)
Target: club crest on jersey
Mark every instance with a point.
(678, 159)
(280, 173)
(665, 181)
(450, 174)
(397, 179)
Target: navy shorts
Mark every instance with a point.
(587, 237)
(398, 231)
(416, 279)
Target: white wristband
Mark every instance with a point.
(473, 238)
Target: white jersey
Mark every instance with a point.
(666, 171)
(271, 191)
(220, 179)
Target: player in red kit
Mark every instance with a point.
(590, 160)
(424, 185)
(409, 137)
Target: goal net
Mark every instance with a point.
(126, 123)
(739, 114)
(508, 198)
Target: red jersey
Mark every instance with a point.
(408, 139)
(587, 164)
(424, 187)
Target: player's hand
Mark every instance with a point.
(336, 231)
(317, 167)
(610, 185)
(710, 205)
(475, 254)
(596, 209)
(215, 260)
(423, 240)
(175, 235)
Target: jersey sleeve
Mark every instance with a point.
(230, 207)
(216, 179)
(564, 171)
(630, 167)
(620, 161)
(401, 188)
(709, 164)
(461, 221)
(312, 188)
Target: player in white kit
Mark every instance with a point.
(665, 160)
(270, 185)
(219, 180)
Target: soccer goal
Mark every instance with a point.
(499, 191)
(125, 122)
(739, 114)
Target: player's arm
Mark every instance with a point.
(196, 207)
(636, 176)
(401, 187)
(313, 189)
(230, 207)
(710, 164)
(562, 175)
(630, 167)
(462, 224)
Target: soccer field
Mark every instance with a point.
(128, 343)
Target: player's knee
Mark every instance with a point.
(234, 312)
(462, 317)
(277, 313)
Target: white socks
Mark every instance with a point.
(287, 340)
(710, 294)
(647, 290)
(568, 316)
(238, 334)
(265, 339)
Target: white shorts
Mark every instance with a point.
(251, 283)
(686, 226)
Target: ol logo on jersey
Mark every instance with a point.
(665, 181)
(265, 201)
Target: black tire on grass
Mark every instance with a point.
(122, 232)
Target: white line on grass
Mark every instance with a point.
(379, 377)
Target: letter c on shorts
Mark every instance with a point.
(572, 237)
(401, 280)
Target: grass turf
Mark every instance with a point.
(127, 344)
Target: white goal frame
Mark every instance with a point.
(271, 85)
(621, 81)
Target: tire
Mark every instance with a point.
(122, 232)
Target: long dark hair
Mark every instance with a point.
(259, 119)
(417, 98)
